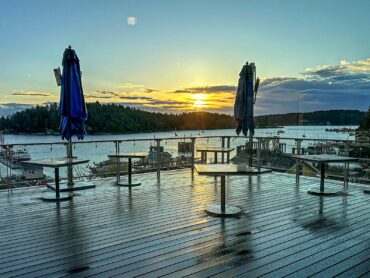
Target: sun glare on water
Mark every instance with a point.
(199, 100)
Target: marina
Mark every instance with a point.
(175, 153)
(270, 152)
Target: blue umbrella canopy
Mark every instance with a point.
(243, 108)
(72, 102)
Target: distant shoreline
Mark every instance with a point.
(174, 131)
(113, 119)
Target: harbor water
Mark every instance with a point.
(97, 152)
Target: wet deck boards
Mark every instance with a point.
(161, 229)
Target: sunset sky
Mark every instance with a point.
(175, 56)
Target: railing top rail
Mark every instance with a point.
(180, 138)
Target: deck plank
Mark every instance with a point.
(160, 228)
(360, 270)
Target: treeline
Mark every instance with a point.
(113, 118)
(330, 117)
(365, 122)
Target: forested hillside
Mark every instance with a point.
(365, 122)
(330, 117)
(113, 118)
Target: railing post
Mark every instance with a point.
(345, 178)
(250, 149)
(192, 155)
(298, 141)
(228, 153)
(69, 168)
(223, 146)
(116, 143)
(158, 158)
(8, 151)
(259, 154)
(298, 163)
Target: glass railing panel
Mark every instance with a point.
(99, 164)
(175, 153)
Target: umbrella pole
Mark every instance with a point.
(250, 146)
(69, 168)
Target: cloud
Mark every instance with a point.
(130, 86)
(131, 104)
(167, 102)
(32, 94)
(135, 97)
(109, 93)
(156, 106)
(207, 89)
(148, 90)
(276, 80)
(342, 86)
(117, 94)
(345, 85)
(127, 88)
(113, 94)
(11, 108)
(97, 97)
(131, 20)
(345, 71)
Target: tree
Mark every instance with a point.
(365, 122)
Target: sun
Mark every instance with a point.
(199, 100)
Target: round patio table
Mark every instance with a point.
(224, 170)
(129, 156)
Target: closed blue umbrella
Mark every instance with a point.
(72, 102)
(243, 108)
(244, 102)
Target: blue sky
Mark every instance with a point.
(193, 46)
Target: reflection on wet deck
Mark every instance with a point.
(161, 229)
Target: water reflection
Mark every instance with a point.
(321, 204)
(129, 199)
(250, 184)
(69, 238)
(323, 220)
(203, 191)
(236, 248)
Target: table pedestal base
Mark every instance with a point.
(317, 192)
(367, 191)
(51, 197)
(78, 185)
(215, 210)
(128, 184)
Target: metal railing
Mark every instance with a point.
(272, 152)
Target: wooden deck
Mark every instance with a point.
(161, 229)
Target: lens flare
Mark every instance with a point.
(199, 100)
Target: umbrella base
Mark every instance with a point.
(128, 184)
(51, 197)
(80, 185)
(317, 192)
(215, 210)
